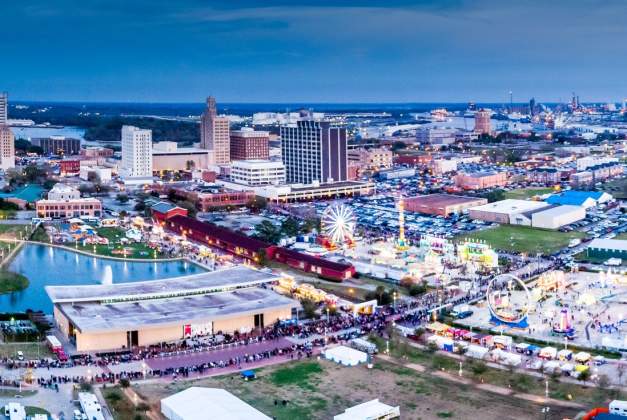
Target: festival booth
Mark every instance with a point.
(522, 347)
(476, 352)
(442, 343)
(582, 357)
(551, 367)
(437, 328)
(548, 353)
(345, 356)
(564, 354)
(503, 341)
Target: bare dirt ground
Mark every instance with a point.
(320, 390)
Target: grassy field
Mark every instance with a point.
(121, 407)
(524, 239)
(114, 235)
(13, 231)
(525, 193)
(321, 389)
(12, 282)
(30, 350)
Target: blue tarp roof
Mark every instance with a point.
(573, 198)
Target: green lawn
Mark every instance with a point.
(621, 236)
(114, 235)
(524, 239)
(121, 407)
(13, 231)
(12, 282)
(525, 193)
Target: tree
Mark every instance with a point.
(290, 227)
(496, 195)
(257, 203)
(311, 224)
(398, 145)
(189, 206)
(122, 198)
(267, 231)
(190, 165)
(584, 375)
(383, 297)
(309, 308)
(620, 371)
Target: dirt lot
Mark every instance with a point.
(320, 390)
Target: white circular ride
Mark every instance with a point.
(509, 300)
(338, 224)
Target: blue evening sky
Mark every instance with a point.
(313, 51)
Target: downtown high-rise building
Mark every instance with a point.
(7, 148)
(314, 151)
(4, 108)
(136, 153)
(482, 122)
(215, 135)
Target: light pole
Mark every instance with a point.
(460, 369)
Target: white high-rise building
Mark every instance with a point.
(4, 108)
(7, 148)
(136, 153)
(257, 172)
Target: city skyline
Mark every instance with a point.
(398, 52)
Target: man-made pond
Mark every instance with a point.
(44, 266)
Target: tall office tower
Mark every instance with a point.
(214, 134)
(136, 152)
(4, 108)
(532, 106)
(314, 151)
(482, 122)
(247, 144)
(7, 148)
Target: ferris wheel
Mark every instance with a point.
(338, 224)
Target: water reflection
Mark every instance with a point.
(45, 265)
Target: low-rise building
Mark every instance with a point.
(396, 173)
(585, 199)
(209, 197)
(510, 211)
(557, 216)
(373, 159)
(580, 179)
(435, 135)
(481, 180)
(128, 315)
(544, 175)
(69, 167)
(442, 166)
(258, 172)
(92, 173)
(95, 152)
(607, 248)
(167, 156)
(442, 204)
(65, 202)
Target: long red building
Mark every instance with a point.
(254, 249)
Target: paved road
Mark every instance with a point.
(215, 355)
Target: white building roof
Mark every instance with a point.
(370, 410)
(511, 206)
(197, 403)
(256, 164)
(558, 211)
(613, 244)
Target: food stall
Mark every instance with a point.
(548, 353)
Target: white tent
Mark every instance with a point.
(197, 403)
(345, 356)
(370, 410)
(476, 351)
